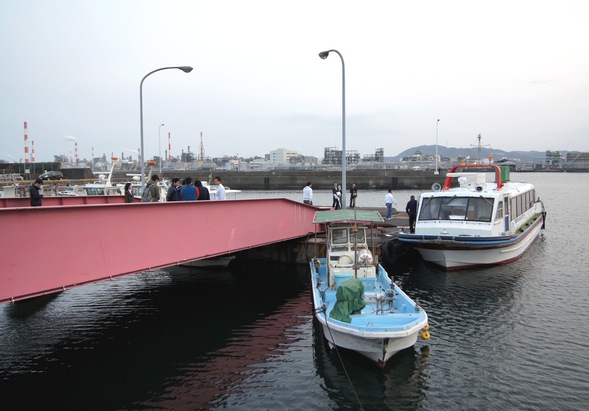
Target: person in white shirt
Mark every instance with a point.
(308, 194)
(220, 194)
(389, 201)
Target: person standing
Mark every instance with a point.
(353, 195)
(308, 194)
(411, 209)
(129, 198)
(35, 193)
(220, 194)
(389, 201)
(203, 191)
(153, 189)
(189, 192)
(173, 193)
(335, 201)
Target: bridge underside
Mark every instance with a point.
(58, 246)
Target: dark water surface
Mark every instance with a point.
(509, 337)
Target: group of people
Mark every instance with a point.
(184, 190)
(410, 208)
(336, 192)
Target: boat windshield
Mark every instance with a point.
(457, 208)
(340, 236)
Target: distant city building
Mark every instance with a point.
(378, 156)
(282, 156)
(333, 156)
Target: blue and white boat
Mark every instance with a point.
(356, 303)
(471, 222)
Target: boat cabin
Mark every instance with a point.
(348, 254)
(469, 205)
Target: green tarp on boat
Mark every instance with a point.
(349, 300)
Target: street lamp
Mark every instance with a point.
(324, 55)
(186, 69)
(159, 142)
(436, 171)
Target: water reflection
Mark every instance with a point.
(399, 386)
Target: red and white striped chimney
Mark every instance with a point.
(26, 144)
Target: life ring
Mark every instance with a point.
(425, 334)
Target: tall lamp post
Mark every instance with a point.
(324, 55)
(186, 69)
(436, 171)
(159, 142)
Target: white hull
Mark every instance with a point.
(466, 257)
(378, 350)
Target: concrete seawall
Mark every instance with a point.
(321, 179)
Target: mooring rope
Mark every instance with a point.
(323, 309)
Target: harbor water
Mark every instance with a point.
(512, 337)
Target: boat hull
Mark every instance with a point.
(456, 252)
(378, 350)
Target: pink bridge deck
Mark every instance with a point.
(72, 241)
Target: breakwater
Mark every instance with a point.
(322, 179)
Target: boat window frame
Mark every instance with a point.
(457, 208)
(338, 240)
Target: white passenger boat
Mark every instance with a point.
(356, 303)
(470, 222)
(103, 186)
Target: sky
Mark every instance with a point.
(515, 71)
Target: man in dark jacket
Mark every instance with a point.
(173, 193)
(412, 213)
(36, 196)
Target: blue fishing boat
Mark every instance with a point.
(357, 304)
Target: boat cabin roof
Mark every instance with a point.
(347, 216)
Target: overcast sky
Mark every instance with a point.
(515, 71)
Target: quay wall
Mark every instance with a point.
(321, 179)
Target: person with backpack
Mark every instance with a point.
(151, 193)
(189, 192)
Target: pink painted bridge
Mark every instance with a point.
(72, 241)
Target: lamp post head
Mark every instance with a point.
(324, 54)
(186, 69)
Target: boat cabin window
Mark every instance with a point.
(358, 236)
(339, 236)
(499, 214)
(522, 202)
(457, 208)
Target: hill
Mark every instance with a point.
(472, 152)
